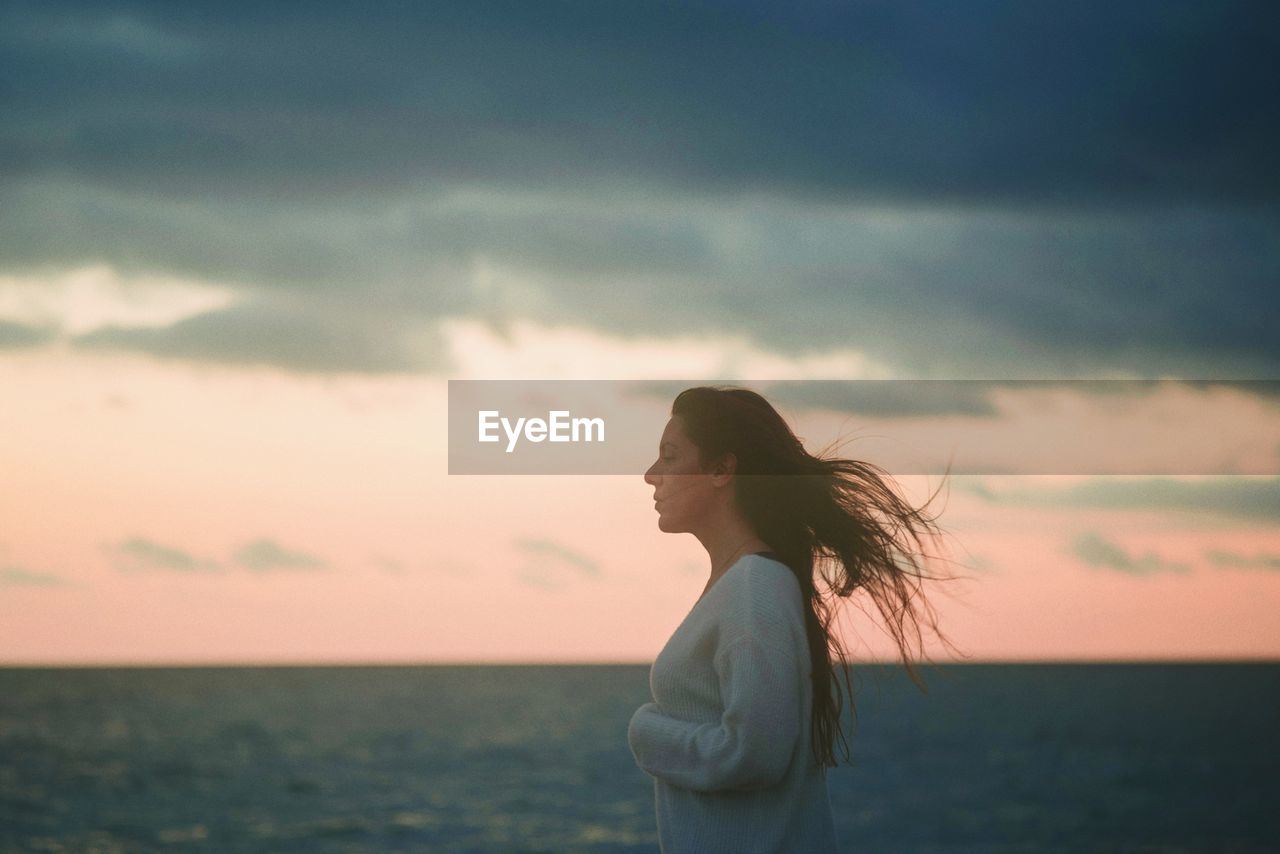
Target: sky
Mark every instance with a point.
(244, 248)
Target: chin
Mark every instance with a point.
(669, 527)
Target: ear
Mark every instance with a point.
(723, 470)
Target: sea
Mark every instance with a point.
(1141, 757)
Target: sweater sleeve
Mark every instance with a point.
(750, 746)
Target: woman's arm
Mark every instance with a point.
(752, 744)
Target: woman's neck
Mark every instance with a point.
(724, 557)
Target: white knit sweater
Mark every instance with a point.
(727, 739)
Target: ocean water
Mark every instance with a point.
(992, 758)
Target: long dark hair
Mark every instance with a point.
(841, 515)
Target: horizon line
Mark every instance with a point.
(277, 664)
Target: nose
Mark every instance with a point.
(649, 477)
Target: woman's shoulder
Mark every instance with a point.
(763, 603)
(766, 581)
(767, 566)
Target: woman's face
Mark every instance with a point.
(682, 493)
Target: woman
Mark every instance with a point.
(740, 733)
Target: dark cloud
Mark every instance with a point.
(16, 576)
(141, 554)
(558, 552)
(372, 247)
(1256, 499)
(18, 335)
(1183, 293)
(985, 564)
(934, 398)
(1096, 550)
(1167, 293)
(259, 555)
(977, 102)
(298, 338)
(916, 399)
(546, 561)
(955, 189)
(1235, 560)
(266, 555)
(868, 398)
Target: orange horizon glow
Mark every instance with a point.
(322, 529)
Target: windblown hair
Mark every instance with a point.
(839, 516)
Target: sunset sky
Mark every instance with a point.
(243, 248)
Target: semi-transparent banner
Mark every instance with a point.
(1067, 427)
